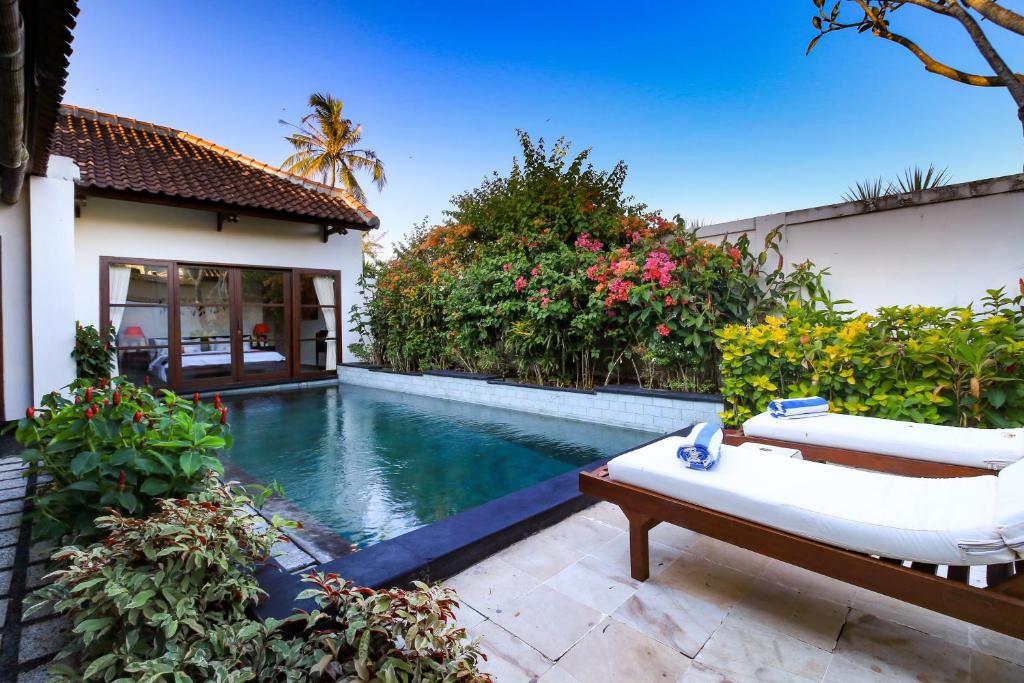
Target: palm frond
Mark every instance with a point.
(916, 179)
(866, 190)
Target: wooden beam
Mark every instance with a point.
(332, 229)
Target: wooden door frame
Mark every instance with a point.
(292, 335)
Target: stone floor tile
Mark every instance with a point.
(805, 617)
(607, 513)
(613, 652)
(557, 674)
(579, 533)
(616, 553)
(9, 507)
(595, 583)
(673, 536)
(467, 617)
(743, 652)
(13, 483)
(547, 621)
(682, 606)
(35, 575)
(10, 521)
(873, 649)
(13, 493)
(490, 584)
(996, 644)
(987, 669)
(39, 674)
(3, 612)
(810, 583)
(291, 557)
(7, 556)
(5, 582)
(702, 673)
(540, 556)
(932, 623)
(731, 556)
(9, 537)
(42, 638)
(509, 660)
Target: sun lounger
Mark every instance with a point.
(911, 538)
(889, 445)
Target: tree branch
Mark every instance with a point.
(936, 67)
(998, 14)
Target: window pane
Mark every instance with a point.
(141, 363)
(136, 283)
(260, 323)
(263, 286)
(139, 325)
(207, 323)
(314, 354)
(313, 320)
(203, 286)
(316, 289)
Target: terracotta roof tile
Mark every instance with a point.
(117, 153)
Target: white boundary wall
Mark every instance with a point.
(941, 247)
(647, 413)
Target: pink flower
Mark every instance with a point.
(544, 302)
(520, 283)
(663, 331)
(535, 272)
(507, 267)
(543, 291)
(658, 268)
(584, 242)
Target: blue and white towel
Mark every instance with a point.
(791, 408)
(701, 447)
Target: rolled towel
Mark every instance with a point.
(789, 408)
(701, 447)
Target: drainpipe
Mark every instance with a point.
(13, 155)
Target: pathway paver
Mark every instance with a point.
(491, 584)
(547, 620)
(615, 652)
(509, 659)
(805, 617)
(595, 583)
(743, 650)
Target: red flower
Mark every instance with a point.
(195, 398)
(663, 331)
(520, 283)
(507, 267)
(224, 416)
(543, 291)
(117, 398)
(88, 413)
(734, 254)
(30, 412)
(88, 395)
(544, 302)
(137, 418)
(535, 272)
(120, 481)
(216, 401)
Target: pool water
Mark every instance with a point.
(372, 464)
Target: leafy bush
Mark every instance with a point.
(164, 594)
(114, 445)
(94, 351)
(553, 275)
(387, 635)
(936, 365)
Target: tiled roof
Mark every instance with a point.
(122, 154)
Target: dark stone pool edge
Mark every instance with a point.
(442, 549)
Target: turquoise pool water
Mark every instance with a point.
(373, 464)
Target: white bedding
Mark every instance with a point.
(207, 358)
(988, 448)
(958, 521)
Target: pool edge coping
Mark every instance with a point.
(442, 549)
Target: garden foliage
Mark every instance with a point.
(110, 444)
(553, 275)
(94, 351)
(954, 366)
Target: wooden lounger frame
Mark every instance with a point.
(999, 606)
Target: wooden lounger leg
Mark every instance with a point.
(639, 554)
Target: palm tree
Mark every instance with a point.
(325, 145)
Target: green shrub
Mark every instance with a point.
(923, 364)
(94, 351)
(165, 594)
(114, 445)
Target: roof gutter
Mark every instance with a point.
(13, 154)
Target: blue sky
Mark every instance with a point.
(713, 106)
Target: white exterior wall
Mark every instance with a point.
(936, 253)
(17, 312)
(109, 227)
(646, 413)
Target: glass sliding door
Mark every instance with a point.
(138, 310)
(205, 324)
(200, 326)
(265, 323)
(318, 322)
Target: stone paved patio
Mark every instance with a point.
(560, 607)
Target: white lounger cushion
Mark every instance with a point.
(991, 448)
(940, 521)
(1010, 506)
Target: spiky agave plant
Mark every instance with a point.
(866, 190)
(916, 179)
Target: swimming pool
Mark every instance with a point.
(371, 464)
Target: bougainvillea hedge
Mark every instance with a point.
(552, 275)
(954, 366)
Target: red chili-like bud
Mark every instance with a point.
(146, 380)
(106, 401)
(120, 481)
(30, 412)
(117, 398)
(216, 401)
(78, 400)
(88, 413)
(137, 418)
(103, 383)
(88, 395)
(224, 416)
(195, 398)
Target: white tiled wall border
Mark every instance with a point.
(648, 413)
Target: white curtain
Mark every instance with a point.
(324, 286)
(120, 277)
